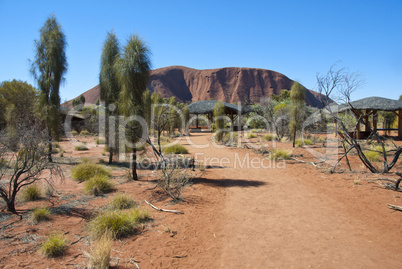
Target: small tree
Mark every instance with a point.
(297, 95)
(48, 69)
(26, 164)
(219, 113)
(109, 89)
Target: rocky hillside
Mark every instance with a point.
(230, 85)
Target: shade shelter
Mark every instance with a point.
(369, 107)
(207, 108)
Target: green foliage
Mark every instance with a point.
(40, 214)
(54, 246)
(283, 96)
(87, 170)
(31, 193)
(297, 95)
(372, 156)
(117, 223)
(98, 184)
(79, 101)
(81, 147)
(219, 113)
(175, 149)
(279, 154)
(99, 256)
(301, 142)
(122, 201)
(269, 137)
(100, 141)
(48, 69)
(250, 135)
(84, 132)
(74, 132)
(387, 118)
(230, 138)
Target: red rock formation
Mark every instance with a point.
(230, 85)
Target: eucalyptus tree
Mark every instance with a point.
(132, 68)
(48, 69)
(109, 89)
(297, 95)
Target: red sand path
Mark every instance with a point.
(299, 217)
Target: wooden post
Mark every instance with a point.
(358, 126)
(400, 123)
(375, 120)
(196, 122)
(366, 119)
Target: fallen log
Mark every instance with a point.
(395, 207)
(163, 210)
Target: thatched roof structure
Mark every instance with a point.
(207, 107)
(373, 103)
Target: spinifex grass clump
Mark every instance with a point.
(85, 171)
(117, 223)
(81, 147)
(300, 142)
(31, 193)
(269, 137)
(250, 135)
(372, 156)
(54, 246)
(98, 184)
(175, 149)
(99, 256)
(122, 201)
(279, 154)
(40, 214)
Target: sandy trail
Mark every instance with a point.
(285, 218)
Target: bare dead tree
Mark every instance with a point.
(25, 165)
(344, 83)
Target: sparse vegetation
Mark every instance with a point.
(54, 246)
(122, 201)
(279, 154)
(98, 185)
(84, 132)
(230, 138)
(302, 142)
(40, 214)
(74, 132)
(250, 135)
(31, 193)
(85, 171)
(372, 156)
(100, 141)
(175, 149)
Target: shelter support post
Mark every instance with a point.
(358, 135)
(400, 123)
(366, 120)
(196, 121)
(375, 120)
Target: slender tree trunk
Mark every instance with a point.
(11, 205)
(110, 156)
(134, 164)
(294, 137)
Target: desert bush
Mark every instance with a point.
(74, 132)
(175, 149)
(372, 156)
(54, 246)
(31, 193)
(85, 171)
(250, 135)
(122, 201)
(99, 256)
(81, 147)
(100, 141)
(269, 137)
(98, 184)
(279, 154)
(302, 142)
(40, 214)
(84, 132)
(174, 184)
(117, 223)
(230, 138)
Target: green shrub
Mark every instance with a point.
(279, 154)
(117, 223)
(100, 141)
(122, 201)
(230, 138)
(300, 142)
(269, 137)
(31, 193)
(81, 147)
(372, 156)
(54, 246)
(40, 214)
(84, 171)
(84, 132)
(250, 135)
(56, 145)
(74, 132)
(175, 149)
(98, 184)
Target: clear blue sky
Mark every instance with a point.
(296, 38)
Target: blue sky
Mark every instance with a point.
(296, 38)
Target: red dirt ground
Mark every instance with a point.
(289, 215)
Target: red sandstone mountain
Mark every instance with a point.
(229, 85)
